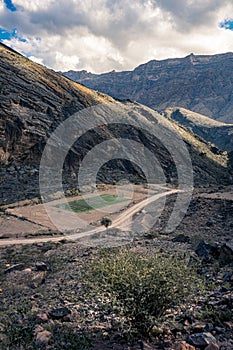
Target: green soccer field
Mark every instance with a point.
(80, 206)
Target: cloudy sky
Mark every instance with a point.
(102, 35)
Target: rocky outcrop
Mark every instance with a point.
(199, 83)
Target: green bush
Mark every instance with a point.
(216, 316)
(140, 287)
(65, 338)
(18, 335)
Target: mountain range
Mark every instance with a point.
(201, 83)
(35, 100)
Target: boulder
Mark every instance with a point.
(59, 313)
(226, 253)
(16, 267)
(42, 339)
(42, 318)
(203, 249)
(184, 346)
(181, 239)
(201, 340)
(42, 266)
(212, 346)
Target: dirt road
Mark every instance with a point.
(119, 223)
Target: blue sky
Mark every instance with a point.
(9, 5)
(227, 24)
(6, 34)
(103, 35)
(9, 35)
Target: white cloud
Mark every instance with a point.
(36, 59)
(34, 5)
(1, 5)
(103, 35)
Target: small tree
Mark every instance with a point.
(106, 222)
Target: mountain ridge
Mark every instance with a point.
(218, 133)
(201, 83)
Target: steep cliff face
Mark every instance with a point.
(34, 101)
(203, 84)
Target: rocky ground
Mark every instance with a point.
(44, 302)
(44, 305)
(209, 216)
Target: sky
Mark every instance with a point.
(105, 35)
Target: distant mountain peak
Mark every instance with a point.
(202, 83)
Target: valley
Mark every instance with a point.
(116, 212)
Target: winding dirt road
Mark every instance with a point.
(119, 223)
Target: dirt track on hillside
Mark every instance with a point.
(120, 222)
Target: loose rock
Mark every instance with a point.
(201, 339)
(42, 318)
(42, 339)
(16, 267)
(181, 239)
(226, 253)
(59, 313)
(203, 249)
(42, 266)
(212, 346)
(184, 346)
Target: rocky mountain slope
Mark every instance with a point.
(203, 84)
(35, 100)
(216, 132)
